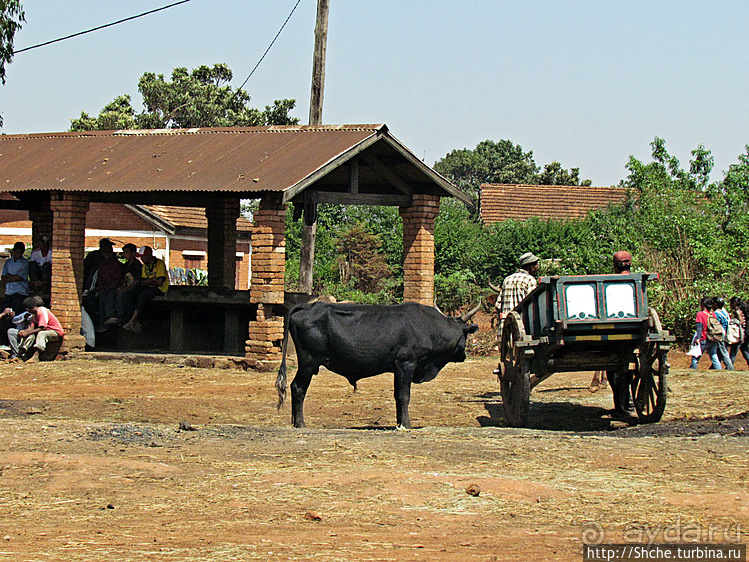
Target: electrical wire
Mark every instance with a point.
(100, 27)
(269, 46)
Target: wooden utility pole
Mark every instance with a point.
(309, 232)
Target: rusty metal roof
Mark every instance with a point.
(242, 160)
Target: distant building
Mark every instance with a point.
(500, 202)
(178, 235)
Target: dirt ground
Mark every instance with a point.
(116, 461)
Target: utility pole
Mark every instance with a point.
(309, 232)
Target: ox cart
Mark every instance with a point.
(579, 323)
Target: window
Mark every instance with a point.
(620, 300)
(194, 259)
(581, 301)
(193, 263)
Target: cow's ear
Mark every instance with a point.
(473, 328)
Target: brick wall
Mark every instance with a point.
(418, 248)
(114, 216)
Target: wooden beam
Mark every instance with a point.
(353, 175)
(386, 173)
(16, 205)
(363, 199)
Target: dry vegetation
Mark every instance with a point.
(94, 466)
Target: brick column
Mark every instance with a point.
(222, 218)
(41, 224)
(418, 248)
(69, 221)
(268, 267)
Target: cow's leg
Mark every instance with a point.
(404, 373)
(299, 387)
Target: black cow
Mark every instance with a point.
(356, 341)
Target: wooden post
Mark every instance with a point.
(309, 233)
(318, 63)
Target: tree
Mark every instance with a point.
(11, 16)
(201, 98)
(361, 263)
(500, 162)
(732, 193)
(489, 162)
(554, 174)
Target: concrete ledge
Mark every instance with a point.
(200, 361)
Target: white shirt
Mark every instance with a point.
(37, 256)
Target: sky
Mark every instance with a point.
(586, 83)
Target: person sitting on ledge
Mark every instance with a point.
(43, 327)
(154, 281)
(40, 267)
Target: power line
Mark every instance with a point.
(101, 27)
(269, 46)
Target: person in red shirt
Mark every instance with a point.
(44, 327)
(700, 336)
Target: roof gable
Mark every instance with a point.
(501, 202)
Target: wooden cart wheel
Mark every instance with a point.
(650, 386)
(515, 375)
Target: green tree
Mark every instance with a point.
(733, 193)
(500, 162)
(11, 16)
(489, 162)
(361, 263)
(201, 98)
(554, 174)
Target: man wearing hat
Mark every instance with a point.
(154, 281)
(517, 285)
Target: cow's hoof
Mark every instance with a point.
(402, 427)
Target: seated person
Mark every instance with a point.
(154, 281)
(40, 267)
(43, 328)
(90, 272)
(16, 277)
(109, 279)
(128, 292)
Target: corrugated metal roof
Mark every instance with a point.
(237, 159)
(500, 202)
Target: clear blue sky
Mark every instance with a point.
(585, 82)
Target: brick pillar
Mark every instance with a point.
(41, 223)
(268, 267)
(69, 221)
(222, 241)
(418, 248)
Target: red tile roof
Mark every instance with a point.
(189, 217)
(501, 202)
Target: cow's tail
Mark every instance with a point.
(281, 378)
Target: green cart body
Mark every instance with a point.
(586, 322)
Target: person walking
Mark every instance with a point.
(740, 311)
(725, 319)
(707, 346)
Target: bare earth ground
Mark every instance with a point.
(94, 466)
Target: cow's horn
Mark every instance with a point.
(494, 288)
(437, 307)
(470, 314)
